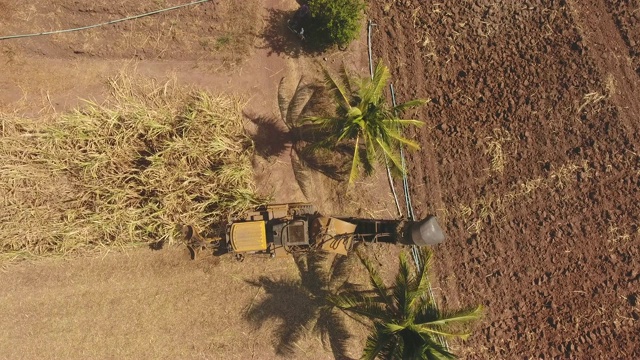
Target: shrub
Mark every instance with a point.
(334, 22)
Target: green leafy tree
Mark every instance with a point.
(406, 321)
(364, 118)
(334, 21)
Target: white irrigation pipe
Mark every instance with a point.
(411, 216)
(405, 185)
(371, 24)
(389, 177)
(410, 213)
(405, 181)
(102, 24)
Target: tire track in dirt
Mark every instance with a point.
(627, 18)
(601, 32)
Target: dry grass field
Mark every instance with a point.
(128, 171)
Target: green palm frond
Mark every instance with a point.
(370, 156)
(395, 135)
(433, 350)
(363, 118)
(327, 122)
(422, 272)
(393, 327)
(408, 324)
(409, 104)
(355, 162)
(429, 330)
(376, 280)
(413, 345)
(351, 130)
(402, 287)
(372, 92)
(380, 343)
(460, 316)
(402, 122)
(392, 156)
(340, 95)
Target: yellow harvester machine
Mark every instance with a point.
(283, 229)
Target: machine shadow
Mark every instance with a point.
(301, 305)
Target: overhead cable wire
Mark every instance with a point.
(104, 23)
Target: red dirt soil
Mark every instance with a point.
(550, 90)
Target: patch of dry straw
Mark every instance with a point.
(129, 171)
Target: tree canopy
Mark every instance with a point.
(363, 117)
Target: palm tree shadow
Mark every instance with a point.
(282, 41)
(271, 137)
(332, 163)
(304, 163)
(288, 302)
(301, 305)
(310, 98)
(274, 137)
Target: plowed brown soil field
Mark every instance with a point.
(534, 130)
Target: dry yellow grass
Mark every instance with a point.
(493, 148)
(129, 171)
(494, 206)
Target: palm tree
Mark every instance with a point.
(364, 118)
(406, 322)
